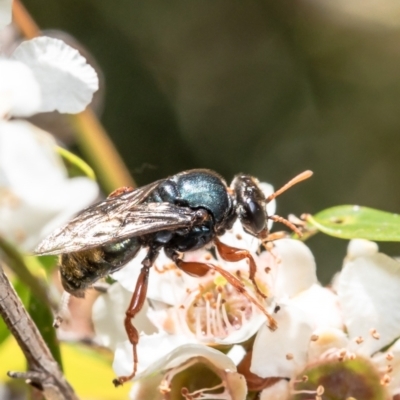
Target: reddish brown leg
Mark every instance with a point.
(233, 254)
(203, 268)
(136, 304)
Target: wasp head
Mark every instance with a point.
(250, 205)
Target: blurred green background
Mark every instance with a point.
(269, 88)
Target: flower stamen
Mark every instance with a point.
(318, 393)
(375, 334)
(200, 394)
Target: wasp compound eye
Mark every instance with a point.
(251, 204)
(254, 216)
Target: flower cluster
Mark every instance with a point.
(202, 339)
(36, 195)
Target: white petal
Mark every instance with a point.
(235, 384)
(64, 200)
(108, 316)
(129, 274)
(19, 91)
(36, 196)
(236, 353)
(185, 352)
(237, 237)
(282, 353)
(296, 270)
(5, 13)
(66, 80)
(147, 388)
(321, 305)
(271, 206)
(152, 353)
(368, 290)
(279, 391)
(28, 158)
(329, 341)
(167, 283)
(361, 247)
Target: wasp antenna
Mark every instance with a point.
(301, 177)
(284, 221)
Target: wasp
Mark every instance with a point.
(181, 213)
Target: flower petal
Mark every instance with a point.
(67, 82)
(327, 342)
(321, 305)
(282, 353)
(368, 289)
(19, 91)
(37, 195)
(167, 283)
(296, 268)
(163, 371)
(361, 247)
(152, 352)
(268, 189)
(108, 316)
(279, 391)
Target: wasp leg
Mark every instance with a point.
(136, 304)
(202, 268)
(233, 254)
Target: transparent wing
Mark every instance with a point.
(117, 218)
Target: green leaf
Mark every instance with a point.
(349, 222)
(75, 165)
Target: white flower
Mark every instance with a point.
(66, 81)
(367, 290)
(36, 195)
(45, 74)
(162, 357)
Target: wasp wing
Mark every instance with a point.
(117, 218)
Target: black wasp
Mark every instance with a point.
(181, 213)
